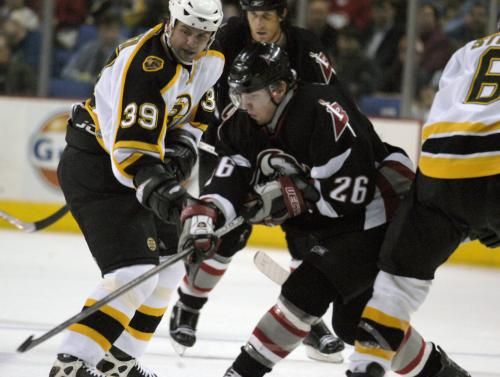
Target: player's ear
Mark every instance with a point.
(278, 90)
(283, 15)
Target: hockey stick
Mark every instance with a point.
(33, 342)
(207, 148)
(271, 269)
(30, 227)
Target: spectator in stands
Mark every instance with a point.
(24, 14)
(69, 15)
(382, 36)
(420, 109)
(317, 22)
(474, 26)
(140, 15)
(451, 13)
(356, 71)
(89, 60)
(25, 45)
(350, 12)
(392, 76)
(16, 78)
(437, 46)
(231, 8)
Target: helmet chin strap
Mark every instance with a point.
(166, 36)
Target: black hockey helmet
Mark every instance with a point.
(263, 5)
(258, 66)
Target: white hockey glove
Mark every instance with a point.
(282, 199)
(158, 189)
(198, 219)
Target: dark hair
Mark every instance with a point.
(435, 10)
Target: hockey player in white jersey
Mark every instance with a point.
(456, 196)
(129, 149)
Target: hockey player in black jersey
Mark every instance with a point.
(311, 162)
(129, 149)
(262, 21)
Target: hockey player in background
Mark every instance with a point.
(129, 149)
(315, 165)
(262, 21)
(456, 196)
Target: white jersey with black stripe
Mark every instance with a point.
(461, 138)
(144, 92)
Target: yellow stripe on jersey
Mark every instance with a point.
(385, 319)
(144, 336)
(92, 334)
(92, 114)
(138, 145)
(199, 125)
(178, 70)
(472, 128)
(161, 136)
(377, 352)
(127, 162)
(150, 34)
(455, 168)
(112, 312)
(214, 53)
(133, 157)
(154, 312)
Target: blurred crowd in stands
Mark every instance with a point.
(365, 39)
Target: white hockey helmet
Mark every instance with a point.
(204, 15)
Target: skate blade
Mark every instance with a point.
(314, 354)
(178, 348)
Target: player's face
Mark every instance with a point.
(258, 105)
(264, 25)
(188, 41)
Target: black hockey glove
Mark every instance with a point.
(181, 152)
(198, 220)
(158, 189)
(282, 199)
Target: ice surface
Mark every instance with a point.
(45, 278)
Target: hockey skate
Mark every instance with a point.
(117, 363)
(322, 345)
(448, 367)
(70, 366)
(372, 370)
(183, 323)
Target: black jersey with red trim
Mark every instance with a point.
(307, 55)
(324, 130)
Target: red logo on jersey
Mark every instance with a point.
(340, 119)
(324, 64)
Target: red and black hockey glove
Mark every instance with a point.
(282, 199)
(198, 220)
